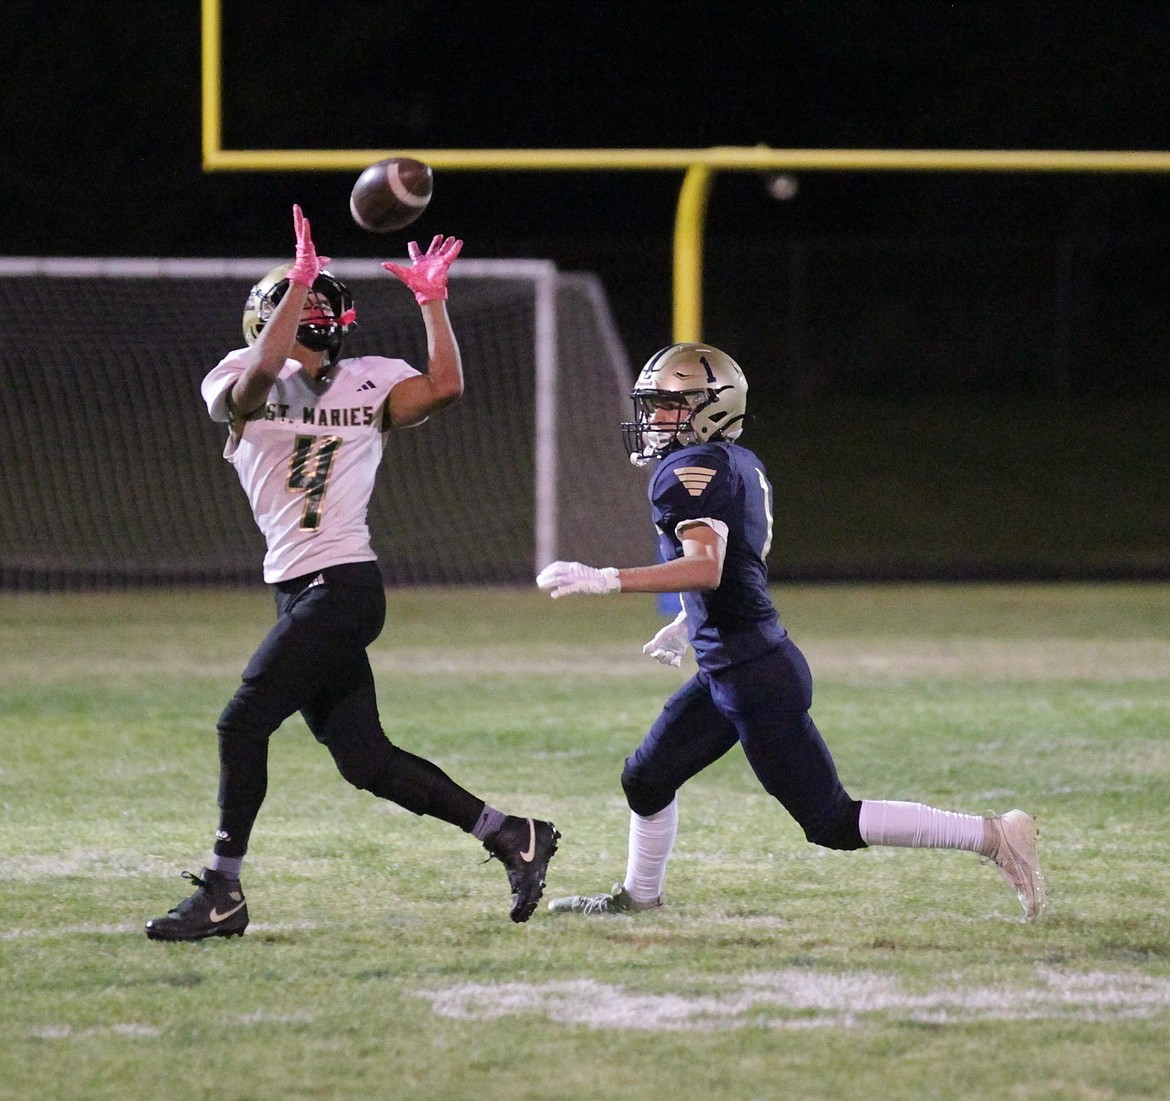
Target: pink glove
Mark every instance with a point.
(308, 265)
(564, 578)
(428, 277)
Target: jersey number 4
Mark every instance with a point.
(312, 463)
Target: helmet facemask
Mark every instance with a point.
(329, 311)
(661, 424)
(685, 394)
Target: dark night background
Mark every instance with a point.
(1009, 303)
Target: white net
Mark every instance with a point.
(112, 474)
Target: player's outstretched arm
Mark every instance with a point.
(414, 399)
(700, 569)
(275, 342)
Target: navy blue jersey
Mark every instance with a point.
(724, 482)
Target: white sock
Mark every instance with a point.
(917, 826)
(651, 840)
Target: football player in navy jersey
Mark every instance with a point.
(306, 432)
(712, 506)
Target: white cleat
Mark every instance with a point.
(1014, 838)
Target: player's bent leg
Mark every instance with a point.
(262, 702)
(794, 766)
(1009, 841)
(645, 794)
(243, 783)
(421, 787)
(839, 829)
(650, 844)
(689, 735)
(368, 760)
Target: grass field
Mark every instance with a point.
(381, 964)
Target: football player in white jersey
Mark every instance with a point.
(712, 506)
(306, 431)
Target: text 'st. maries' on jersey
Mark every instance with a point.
(308, 457)
(724, 483)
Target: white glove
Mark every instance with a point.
(563, 578)
(670, 644)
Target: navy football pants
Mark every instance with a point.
(763, 705)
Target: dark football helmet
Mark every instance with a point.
(333, 311)
(698, 393)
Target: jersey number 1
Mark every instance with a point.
(766, 489)
(312, 463)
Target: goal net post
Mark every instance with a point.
(112, 469)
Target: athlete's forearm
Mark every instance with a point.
(698, 569)
(416, 398)
(683, 575)
(444, 360)
(267, 356)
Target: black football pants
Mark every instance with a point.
(314, 661)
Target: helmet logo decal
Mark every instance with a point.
(695, 478)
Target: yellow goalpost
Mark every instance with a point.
(697, 165)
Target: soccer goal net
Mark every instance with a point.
(112, 472)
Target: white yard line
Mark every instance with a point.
(794, 999)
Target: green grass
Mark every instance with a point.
(381, 963)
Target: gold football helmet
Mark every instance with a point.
(686, 393)
(332, 315)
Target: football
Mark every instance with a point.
(391, 194)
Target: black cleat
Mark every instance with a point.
(524, 846)
(216, 909)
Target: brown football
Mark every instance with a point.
(391, 194)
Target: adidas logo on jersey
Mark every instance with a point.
(695, 478)
(368, 385)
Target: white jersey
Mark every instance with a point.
(308, 457)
